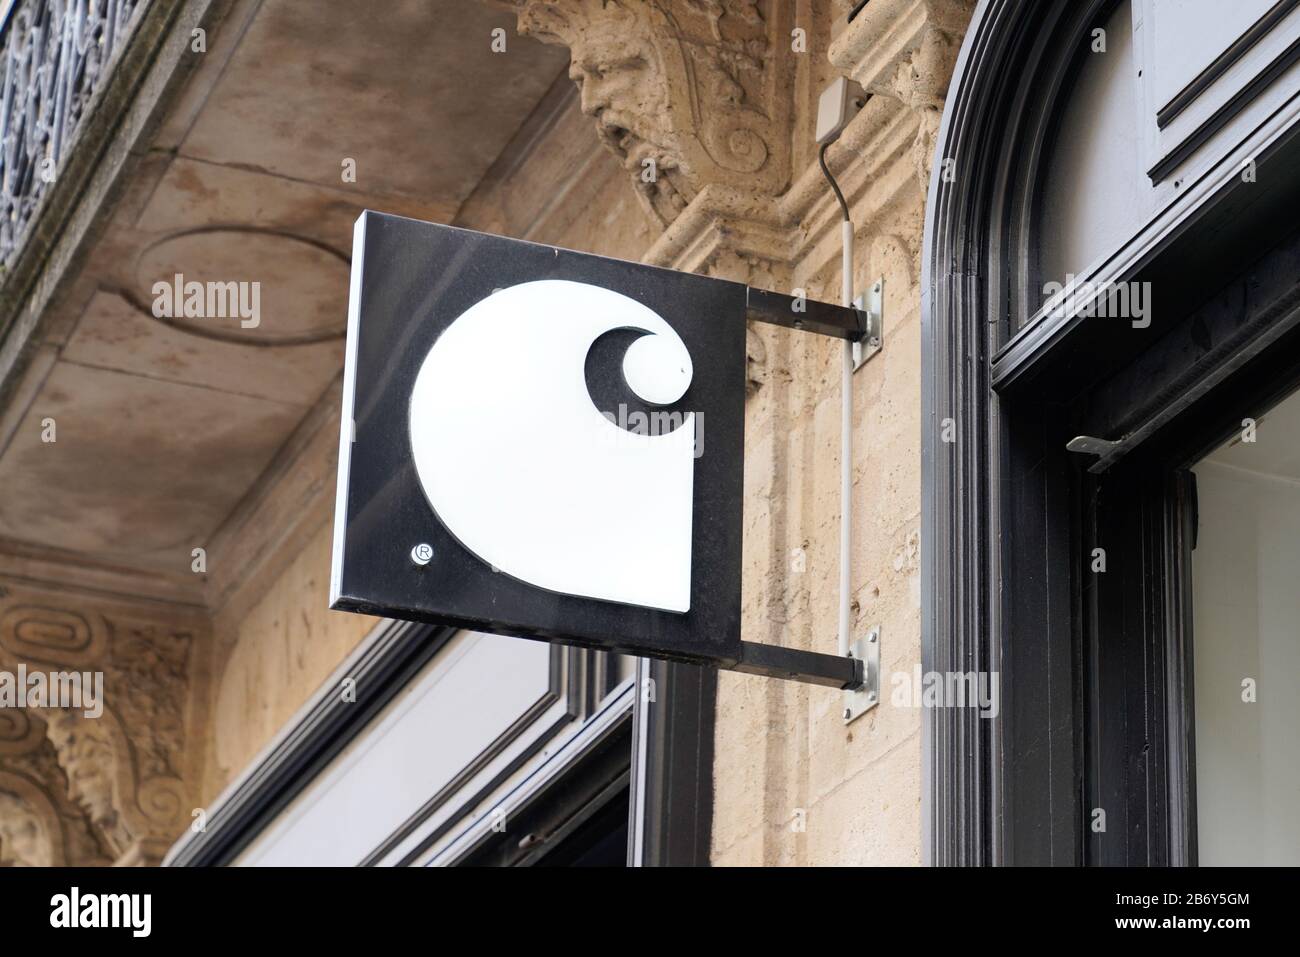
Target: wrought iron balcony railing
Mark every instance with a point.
(56, 55)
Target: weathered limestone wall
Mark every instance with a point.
(817, 791)
(721, 101)
(275, 640)
(107, 776)
(814, 791)
(737, 194)
(272, 658)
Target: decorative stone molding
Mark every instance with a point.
(114, 781)
(704, 89)
(39, 824)
(687, 93)
(25, 838)
(670, 80)
(20, 731)
(39, 633)
(89, 758)
(780, 242)
(906, 50)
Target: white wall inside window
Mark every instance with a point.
(467, 698)
(1096, 194)
(1246, 626)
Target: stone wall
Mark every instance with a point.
(718, 103)
(272, 657)
(719, 100)
(684, 138)
(106, 776)
(275, 641)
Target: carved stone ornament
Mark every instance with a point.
(686, 93)
(39, 824)
(906, 50)
(24, 834)
(81, 788)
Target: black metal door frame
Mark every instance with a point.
(1093, 668)
(1138, 706)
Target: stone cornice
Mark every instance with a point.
(108, 786)
(686, 94)
(43, 566)
(785, 230)
(906, 50)
(885, 48)
(665, 80)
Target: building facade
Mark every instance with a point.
(167, 473)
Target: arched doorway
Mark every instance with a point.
(1110, 292)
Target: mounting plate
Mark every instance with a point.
(861, 700)
(872, 306)
(1090, 445)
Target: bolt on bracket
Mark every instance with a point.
(862, 699)
(1091, 445)
(871, 305)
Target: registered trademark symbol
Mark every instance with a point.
(421, 553)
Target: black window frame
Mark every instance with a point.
(1095, 669)
(663, 750)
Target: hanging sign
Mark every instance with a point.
(544, 443)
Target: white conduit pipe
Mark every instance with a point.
(846, 447)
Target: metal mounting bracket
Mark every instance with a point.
(871, 304)
(862, 699)
(795, 664)
(1106, 450)
(803, 314)
(1091, 445)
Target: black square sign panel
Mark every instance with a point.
(541, 443)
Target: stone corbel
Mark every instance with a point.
(696, 98)
(687, 93)
(906, 50)
(39, 825)
(118, 770)
(136, 817)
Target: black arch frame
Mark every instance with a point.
(1008, 513)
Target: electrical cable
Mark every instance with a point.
(826, 171)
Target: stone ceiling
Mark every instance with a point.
(164, 425)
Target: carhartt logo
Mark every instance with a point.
(525, 471)
(102, 910)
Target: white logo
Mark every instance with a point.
(529, 475)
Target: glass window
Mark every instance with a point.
(1246, 644)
